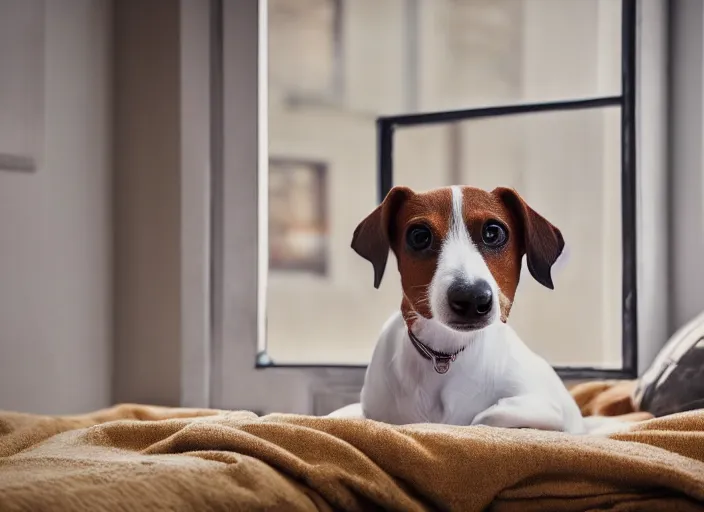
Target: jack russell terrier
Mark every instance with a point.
(448, 356)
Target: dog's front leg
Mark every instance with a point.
(523, 411)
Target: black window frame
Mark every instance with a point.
(626, 102)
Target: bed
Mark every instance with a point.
(136, 457)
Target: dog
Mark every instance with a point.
(448, 356)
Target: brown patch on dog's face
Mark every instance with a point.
(432, 210)
(480, 209)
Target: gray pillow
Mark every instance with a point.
(675, 381)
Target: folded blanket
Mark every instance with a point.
(607, 398)
(133, 457)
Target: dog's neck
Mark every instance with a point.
(441, 361)
(431, 334)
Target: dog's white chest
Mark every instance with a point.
(438, 399)
(418, 404)
(402, 388)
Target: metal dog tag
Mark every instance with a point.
(442, 364)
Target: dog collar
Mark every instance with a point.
(441, 361)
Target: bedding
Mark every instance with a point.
(135, 457)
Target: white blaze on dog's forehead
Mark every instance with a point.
(457, 223)
(459, 257)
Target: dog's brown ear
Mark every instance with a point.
(541, 241)
(372, 238)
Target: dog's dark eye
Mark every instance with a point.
(419, 238)
(494, 234)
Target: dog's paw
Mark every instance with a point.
(522, 412)
(605, 426)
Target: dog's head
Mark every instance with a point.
(459, 252)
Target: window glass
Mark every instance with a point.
(335, 66)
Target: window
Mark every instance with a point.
(310, 335)
(473, 61)
(297, 225)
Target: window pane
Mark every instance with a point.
(373, 51)
(485, 52)
(395, 56)
(566, 165)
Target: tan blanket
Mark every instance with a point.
(135, 458)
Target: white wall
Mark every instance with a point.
(162, 201)
(55, 229)
(147, 202)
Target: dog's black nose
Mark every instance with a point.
(470, 301)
